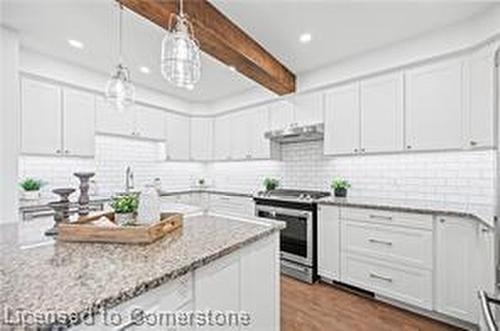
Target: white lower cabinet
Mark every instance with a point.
(431, 262)
(231, 205)
(245, 282)
(464, 265)
(329, 242)
(409, 285)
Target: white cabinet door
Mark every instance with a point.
(329, 242)
(222, 137)
(342, 120)
(281, 115)
(150, 123)
(217, 288)
(240, 136)
(110, 120)
(260, 147)
(382, 114)
(177, 137)
(41, 118)
(78, 123)
(480, 119)
(260, 284)
(434, 106)
(308, 108)
(201, 138)
(458, 266)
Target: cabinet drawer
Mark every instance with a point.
(408, 285)
(386, 217)
(412, 247)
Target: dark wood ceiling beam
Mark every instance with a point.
(222, 39)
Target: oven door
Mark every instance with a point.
(296, 239)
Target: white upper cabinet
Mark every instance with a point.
(434, 106)
(258, 125)
(222, 137)
(110, 120)
(177, 137)
(281, 115)
(201, 138)
(41, 118)
(78, 123)
(56, 121)
(308, 109)
(150, 123)
(480, 96)
(240, 136)
(382, 114)
(342, 120)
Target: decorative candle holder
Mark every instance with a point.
(61, 209)
(83, 199)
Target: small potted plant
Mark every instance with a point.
(125, 208)
(31, 188)
(271, 184)
(340, 186)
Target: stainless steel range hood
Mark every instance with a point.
(295, 134)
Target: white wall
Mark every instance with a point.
(9, 124)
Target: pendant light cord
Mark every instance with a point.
(181, 8)
(120, 14)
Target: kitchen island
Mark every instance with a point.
(213, 265)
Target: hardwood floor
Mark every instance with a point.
(321, 307)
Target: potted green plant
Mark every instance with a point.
(31, 188)
(125, 208)
(340, 186)
(271, 184)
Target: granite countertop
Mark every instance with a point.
(79, 277)
(44, 202)
(482, 212)
(206, 190)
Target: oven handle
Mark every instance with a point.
(285, 211)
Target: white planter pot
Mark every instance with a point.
(124, 218)
(31, 195)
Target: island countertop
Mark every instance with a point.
(484, 213)
(82, 278)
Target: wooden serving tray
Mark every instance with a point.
(83, 231)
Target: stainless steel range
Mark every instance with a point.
(298, 210)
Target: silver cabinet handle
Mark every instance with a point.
(66, 151)
(408, 147)
(473, 143)
(376, 276)
(58, 151)
(355, 150)
(362, 150)
(379, 241)
(381, 217)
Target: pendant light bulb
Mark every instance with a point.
(119, 91)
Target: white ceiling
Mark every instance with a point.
(339, 29)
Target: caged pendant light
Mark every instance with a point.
(180, 52)
(120, 91)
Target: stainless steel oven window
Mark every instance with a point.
(292, 217)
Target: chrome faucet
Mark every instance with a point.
(129, 180)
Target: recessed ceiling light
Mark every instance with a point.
(232, 68)
(305, 38)
(145, 70)
(75, 43)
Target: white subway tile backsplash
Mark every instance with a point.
(113, 155)
(464, 177)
